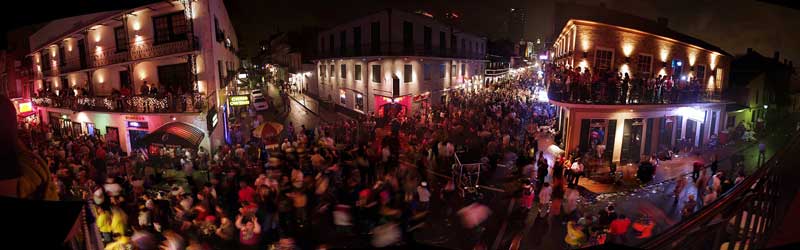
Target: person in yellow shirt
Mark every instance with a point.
(575, 235)
(103, 223)
(119, 221)
(121, 242)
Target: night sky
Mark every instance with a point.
(733, 25)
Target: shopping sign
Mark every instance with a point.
(239, 100)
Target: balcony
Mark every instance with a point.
(139, 50)
(397, 49)
(600, 92)
(187, 103)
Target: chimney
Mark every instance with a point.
(777, 56)
(749, 50)
(663, 21)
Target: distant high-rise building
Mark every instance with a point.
(515, 24)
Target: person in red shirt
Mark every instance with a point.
(246, 193)
(619, 228)
(100, 153)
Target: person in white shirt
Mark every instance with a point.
(716, 182)
(544, 199)
(424, 195)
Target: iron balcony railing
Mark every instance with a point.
(634, 94)
(137, 50)
(126, 104)
(743, 218)
(399, 49)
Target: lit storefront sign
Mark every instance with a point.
(239, 100)
(134, 124)
(134, 117)
(23, 107)
(211, 119)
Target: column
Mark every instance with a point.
(618, 140)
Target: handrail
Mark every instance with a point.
(398, 49)
(192, 102)
(710, 212)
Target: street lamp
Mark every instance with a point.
(766, 106)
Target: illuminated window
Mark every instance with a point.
(453, 70)
(342, 96)
(426, 71)
(407, 70)
(718, 78)
(357, 72)
(643, 65)
(603, 59)
(376, 73)
(700, 73)
(359, 102)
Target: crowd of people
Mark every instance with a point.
(150, 98)
(611, 86)
(370, 179)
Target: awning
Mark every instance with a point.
(175, 134)
(733, 107)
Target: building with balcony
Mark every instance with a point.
(396, 59)
(124, 74)
(671, 96)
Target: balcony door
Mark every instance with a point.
(175, 77)
(82, 53)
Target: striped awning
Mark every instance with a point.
(175, 134)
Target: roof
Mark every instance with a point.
(59, 29)
(604, 15)
(733, 107)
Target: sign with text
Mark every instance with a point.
(239, 100)
(25, 107)
(134, 117)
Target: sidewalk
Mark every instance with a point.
(314, 106)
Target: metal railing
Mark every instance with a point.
(399, 49)
(599, 93)
(743, 218)
(127, 104)
(136, 50)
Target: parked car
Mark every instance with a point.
(259, 103)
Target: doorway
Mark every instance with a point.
(136, 139)
(631, 141)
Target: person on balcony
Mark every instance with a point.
(145, 89)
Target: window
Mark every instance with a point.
(217, 31)
(426, 71)
(322, 71)
(359, 102)
(407, 70)
(222, 82)
(46, 60)
(330, 42)
(408, 36)
(463, 69)
(61, 55)
(700, 73)
(125, 79)
(442, 43)
(343, 42)
(342, 96)
(121, 38)
(376, 73)
(453, 43)
(357, 40)
(643, 64)
(170, 27)
(602, 60)
(332, 71)
(677, 69)
(357, 72)
(453, 70)
(175, 77)
(428, 42)
(322, 45)
(463, 46)
(343, 71)
(718, 83)
(442, 68)
(375, 37)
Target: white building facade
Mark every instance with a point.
(361, 61)
(113, 69)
